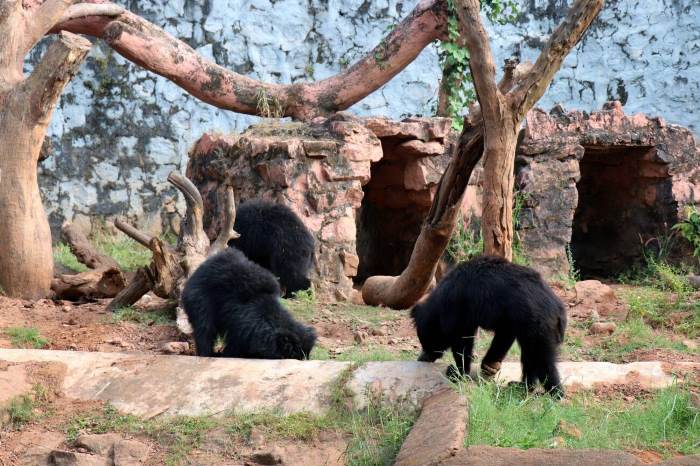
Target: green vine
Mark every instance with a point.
(454, 59)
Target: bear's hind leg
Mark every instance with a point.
(491, 364)
(548, 372)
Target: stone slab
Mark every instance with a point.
(438, 433)
(152, 385)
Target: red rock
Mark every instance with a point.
(438, 433)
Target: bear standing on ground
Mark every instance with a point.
(232, 297)
(494, 294)
(274, 237)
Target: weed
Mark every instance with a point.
(574, 274)
(268, 106)
(129, 254)
(378, 432)
(306, 296)
(690, 228)
(26, 337)
(466, 243)
(20, 411)
(63, 255)
(129, 314)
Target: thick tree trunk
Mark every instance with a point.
(26, 266)
(499, 179)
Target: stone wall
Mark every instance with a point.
(119, 130)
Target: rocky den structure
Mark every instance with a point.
(362, 186)
(598, 187)
(604, 184)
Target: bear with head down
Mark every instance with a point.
(230, 296)
(494, 294)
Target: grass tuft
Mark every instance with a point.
(26, 337)
(129, 314)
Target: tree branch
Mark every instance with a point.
(193, 241)
(43, 17)
(227, 232)
(138, 236)
(56, 68)
(563, 39)
(152, 48)
(82, 10)
(483, 70)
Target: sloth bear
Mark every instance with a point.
(274, 237)
(494, 294)
(232, 297)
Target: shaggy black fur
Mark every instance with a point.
(494, 294)
(274, 237)
(230, 296)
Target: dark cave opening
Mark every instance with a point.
(624, 195)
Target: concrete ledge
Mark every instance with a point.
(152, 385)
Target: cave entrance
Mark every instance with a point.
(389, 219)
(624, 198)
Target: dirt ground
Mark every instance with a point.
(346, 332)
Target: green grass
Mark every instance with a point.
(25, 337)
(20, 411)
(655, 307)
(129, 314)
(63, 255)
(630, 336)
(129, 254)
(666, 422)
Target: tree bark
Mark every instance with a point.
(93, 284)
(26, 265)
(154, 49)
(83, 250)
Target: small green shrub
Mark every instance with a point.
(690, 229)
(26, 337)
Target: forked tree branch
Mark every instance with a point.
(42, 17)
(59, 64)
(564, 38)
(140, 237)
(481, 63)
(227, 232)
(154, 49)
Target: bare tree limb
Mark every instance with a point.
(43, 17)
(563, 39)
(138, 236)
(139, 285)
(81, 10)
(83, 250)
(58, 65)
(152, 48)
(193, 241)
(227, 232)
(481, 63)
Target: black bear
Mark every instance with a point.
(494, 294)
(274, 237)
(232, 297)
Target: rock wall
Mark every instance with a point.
(119, 130)
(361, 186)
(604, 184)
